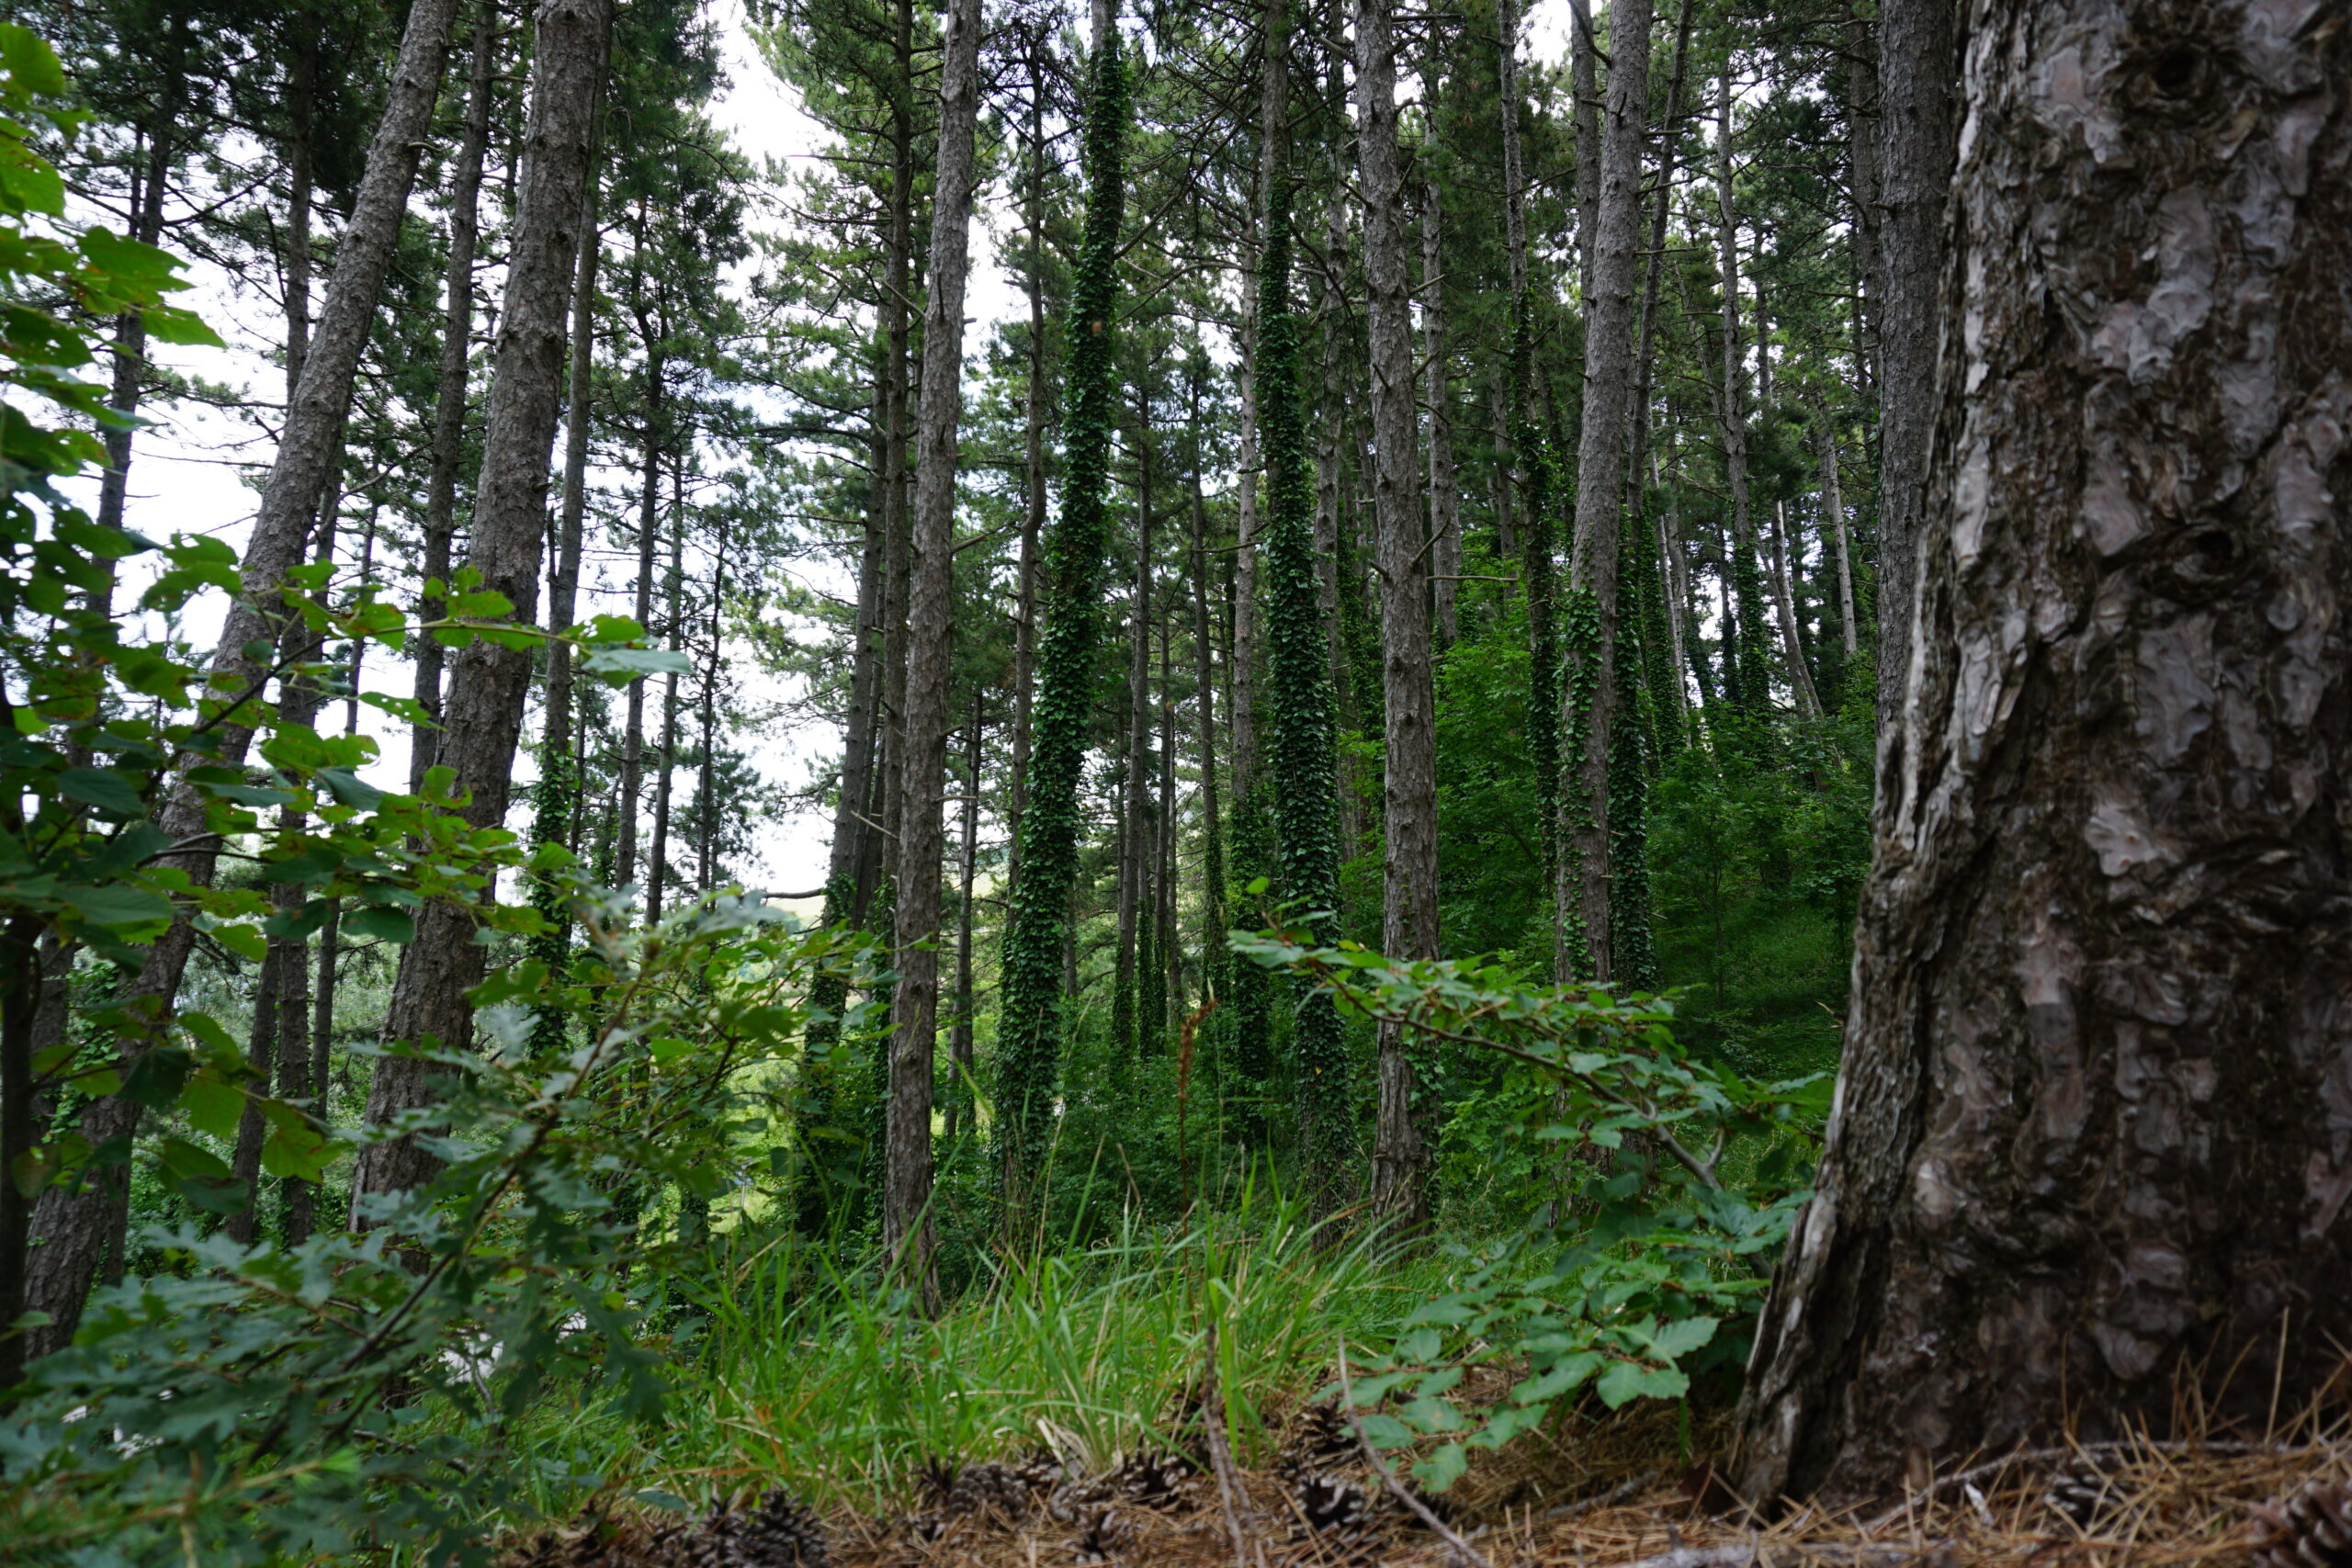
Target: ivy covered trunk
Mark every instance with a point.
(1030, 1028)
(1302, 762)
(2091, 1154)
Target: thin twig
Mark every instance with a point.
(1608, 1499)
(1462, 1548)
(1228, 1487)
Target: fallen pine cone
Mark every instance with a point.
(2310, 1529)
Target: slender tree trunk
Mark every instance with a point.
(1445, 500)
(2085, 1125)
(1917, 70)
(563, 582)
(1245, 565)
(897, 543)
(1038, 942)
(850, 810)
(1302, 762)
(1033, 453)
(489, 682)
(907, 1232)
(309, 444)
(960, 1036)
(1589, 712)
(1408, 882)
(449, 402)
(1863, 134)
(1585, 116)
(1212, 826)
(1745, 675)
(648, 521)
(674, 629)
(706, 776)
(80, 1227)
(1833, 506)
(1135, 809)
(1784, 596)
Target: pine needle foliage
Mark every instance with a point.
(1029, 1048)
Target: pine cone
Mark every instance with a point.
(989, 1487)
(781, 1533)
(2083, 1492)
(1332, 1505)
(1154, 1480)
(2310, 1529)
(1076, 1496)
(1319, 1438)
(1103, 1534)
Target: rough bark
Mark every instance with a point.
(897, 543)
(907, 1234)
(1445, 499)
(483, 714)
(449, 399)
(1409, 897)
(1916, 70)
(563, 580)
(2086, 1171)
(1589, 702)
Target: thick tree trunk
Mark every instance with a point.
(1589, 702)
(1917, 68)
(2086, 1177)
(908, 1233)
(449, 400)
(1401, 1153)
(483, 718)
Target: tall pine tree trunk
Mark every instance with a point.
(1589, 714)
(907, 1232)
(1409, 887)
(488, 684)
(1029, 1035)
(449, 397)
(2086, 1174)
(1918, 68)
(1302, 763)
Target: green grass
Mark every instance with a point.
(805, 1376)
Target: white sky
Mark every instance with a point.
(192, 470)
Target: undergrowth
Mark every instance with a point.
(789, 1366)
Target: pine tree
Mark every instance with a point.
(1029, 1034)
(1304, 754)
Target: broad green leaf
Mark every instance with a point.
(102, 787)
(119, 907)
(380, 924)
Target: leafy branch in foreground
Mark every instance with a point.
(270, 1403)
(1647, 1265)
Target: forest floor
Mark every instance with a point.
(1617, 1492)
